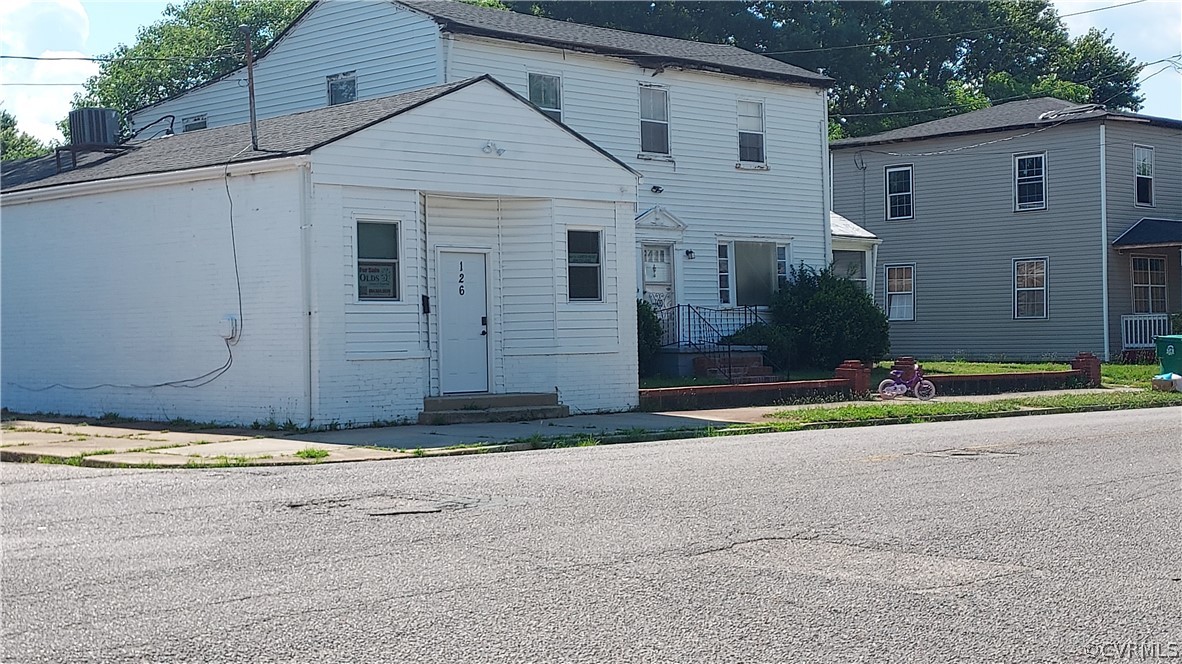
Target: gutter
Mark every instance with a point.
(1104, 242)
(215, 172)
(306, 283)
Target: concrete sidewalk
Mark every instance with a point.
(134, 444)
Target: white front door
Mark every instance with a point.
(658, 275)
(463, 322)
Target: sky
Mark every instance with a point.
(1150, 30)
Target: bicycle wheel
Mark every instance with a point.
(886, 389)
(925, 390)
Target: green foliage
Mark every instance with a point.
(16, 144)
(830, 318)
(648, 337)
(312, 453)
(196, 41)
(1176, 323)
(779, 340)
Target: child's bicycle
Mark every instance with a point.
(895, 386)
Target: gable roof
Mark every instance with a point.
(646, 50)
(1022, 114)
(1149, 232)
(283, 136)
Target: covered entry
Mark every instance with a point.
(1147, 281)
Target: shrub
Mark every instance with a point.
(777, 338)
(1176, 323)
(830, 319)
(648, 338)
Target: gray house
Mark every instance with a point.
(1029, 230)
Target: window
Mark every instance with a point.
(1030, 288)
(546, 93)
(377, 261)
(1149, 285)
(342, 88)
(900, 292)
(1143, 165)
(850, 265)
(583, 265)
(654, 120)
(1030, 182)
(751, 132)
(193, 123)
(898, 189)
(750, 272)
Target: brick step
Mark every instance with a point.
(468, 416)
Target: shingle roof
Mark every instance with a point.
(1151, 231)
(1012, 115)
(842, 227)
(283, 136)
(648, 50)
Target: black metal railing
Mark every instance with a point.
(707, 331)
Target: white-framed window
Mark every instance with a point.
(584, 261)
(1030, 288)
(1143, 175)
(545, 91)
(1030, 182)
(654, 119)
(377, 261)
(900, 291)
(898, 192)
(850, 265)
(342, 88)
(751, 132)
(193, 123)
(1149, 284)
(750, 272)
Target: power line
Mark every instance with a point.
(123, 58)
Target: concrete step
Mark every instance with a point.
(760, 370)
(487, 401)
(468, 416)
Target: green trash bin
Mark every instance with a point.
(1169, 353)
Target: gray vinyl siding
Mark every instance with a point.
(965, 234)
(1123, 212)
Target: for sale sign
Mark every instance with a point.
(377, 282)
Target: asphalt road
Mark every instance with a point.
(1055, 539)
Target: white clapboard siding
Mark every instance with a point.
(392, 50)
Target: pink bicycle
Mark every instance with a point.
(896, 386)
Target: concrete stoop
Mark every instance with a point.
(470, 408)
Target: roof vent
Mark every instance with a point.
(94, 127)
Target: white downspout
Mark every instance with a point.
(306, 281)
(1104, 242)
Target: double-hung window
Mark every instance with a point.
(898, 192)
(850, 265)
(900, 292)
(584, 263)
(654, 120)
(1143, 173)
(751, 132)
(377, 261)
(750, 272)
(342, 88)
(1149, 285)
(545, 91)
(1030, 182)
(1030, 288)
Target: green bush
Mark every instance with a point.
(648, 338)
(1176, 323)
(830, 319)
(777, 338)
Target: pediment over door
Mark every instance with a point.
(659, 222)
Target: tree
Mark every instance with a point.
(16, 144)
(196, 41)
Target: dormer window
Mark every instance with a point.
(193, 123)
(342, 88)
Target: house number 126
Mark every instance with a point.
(461, 280)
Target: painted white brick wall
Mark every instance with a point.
(131, 287)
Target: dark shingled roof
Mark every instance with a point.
(283, 136)
(646, 50)
(1026, 113)
(1150, 231)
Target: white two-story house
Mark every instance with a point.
(732, 145)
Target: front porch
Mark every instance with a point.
(1138, 331)
(1147, 283)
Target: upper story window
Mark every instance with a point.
(1030, 288)
(1030, 182)
(342, 88)
(584, 266)
(751, 132)
(654, 119)
(545, 92)
(377, 261)
(900, 292)
(193, 123)
(1143, 173)
(898, 192)
(1149, 284)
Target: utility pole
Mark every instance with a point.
(254, 130)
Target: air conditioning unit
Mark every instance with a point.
(98, 127)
